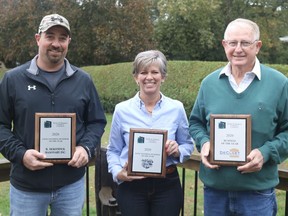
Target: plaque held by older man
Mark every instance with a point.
(147, 155)
(230, 139)
(55, 136)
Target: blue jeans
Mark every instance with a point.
(236, 203)
(151, 196)
(68, 200)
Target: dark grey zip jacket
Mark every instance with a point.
(23, 93)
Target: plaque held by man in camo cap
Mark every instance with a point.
(55, 136)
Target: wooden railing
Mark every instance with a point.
(192, 164)
(5, 170)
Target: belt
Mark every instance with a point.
(170, 169)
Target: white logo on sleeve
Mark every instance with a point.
(31, 87)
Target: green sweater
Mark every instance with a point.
(267, 102)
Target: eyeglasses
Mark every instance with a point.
(243, 44)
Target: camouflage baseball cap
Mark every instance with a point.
(53, 20)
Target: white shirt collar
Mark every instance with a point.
(256, 69)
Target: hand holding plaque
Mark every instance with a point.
(55, 136)
(230, 139)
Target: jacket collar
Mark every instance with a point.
(33, 68)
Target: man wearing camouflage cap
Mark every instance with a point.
(48, 84)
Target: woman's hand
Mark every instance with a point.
(171, 147)
(122, 175)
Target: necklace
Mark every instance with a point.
(149, 109)
(150, 106)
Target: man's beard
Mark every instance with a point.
(55, 59)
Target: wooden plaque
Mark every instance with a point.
(55, 136)
(147, 155)
(230, 139)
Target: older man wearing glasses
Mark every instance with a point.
(243, 88)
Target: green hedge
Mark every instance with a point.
(115, 82)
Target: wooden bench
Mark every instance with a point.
(5, 170)
(105, 188)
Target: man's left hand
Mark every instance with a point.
(80, 157)
(255, 162)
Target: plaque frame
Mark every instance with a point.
(143, 135)
(51, 117)
(243, 120)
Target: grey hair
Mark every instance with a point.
(254, 27)
(146, 58)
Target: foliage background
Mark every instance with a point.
(112, 31)
(115, 82)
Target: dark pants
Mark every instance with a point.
(151, 196)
